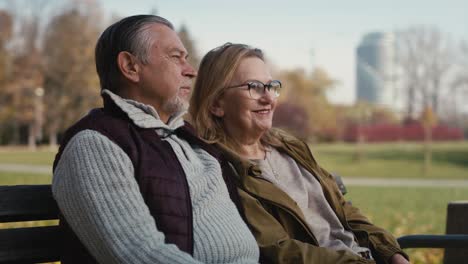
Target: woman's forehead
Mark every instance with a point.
(252, 68)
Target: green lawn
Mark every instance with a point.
(18, 178)
(391, 160)
(25, 156)
(405, 211)
(396, 160)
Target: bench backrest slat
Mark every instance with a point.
(31, 244)
(27, 203)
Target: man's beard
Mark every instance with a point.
(175, 105)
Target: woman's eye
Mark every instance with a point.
(254, 85)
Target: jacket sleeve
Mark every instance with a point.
(382, 243)
(276, 246)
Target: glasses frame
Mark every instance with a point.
(266, 86)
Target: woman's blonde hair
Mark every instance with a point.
(216, 71)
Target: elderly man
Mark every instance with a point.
(133, 183)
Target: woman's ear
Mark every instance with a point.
(128, 66)
(217, 109)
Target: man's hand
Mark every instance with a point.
(398, 259)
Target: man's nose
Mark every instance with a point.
(189, 71)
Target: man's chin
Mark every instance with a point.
(176, 105)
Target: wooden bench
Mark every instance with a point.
(41, 244)
(29, 244)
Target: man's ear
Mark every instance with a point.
(128, 66)
(217, 109)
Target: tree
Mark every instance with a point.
(425, 58)
(23, 73)
(428, 120)
(292, 118)
(6, 29)
(459, 86)
(309, 92)
(70, 80)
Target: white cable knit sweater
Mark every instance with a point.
(96, 190)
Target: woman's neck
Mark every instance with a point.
(252, 151)
(247, 143)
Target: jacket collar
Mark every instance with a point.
(249, 175)
(142, 115)
(249, 178)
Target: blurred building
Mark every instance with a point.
(375, 70)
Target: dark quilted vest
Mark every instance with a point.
(158, 172)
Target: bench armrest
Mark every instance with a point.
(433, 241)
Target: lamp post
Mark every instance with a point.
(38, 118)
(39, 112)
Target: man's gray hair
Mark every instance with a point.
(130, 34)
(142, 41)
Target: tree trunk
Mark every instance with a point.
(427, 149)
(53, 136)
(410, 101)
(361, 139)
(32, 137)
(436, 95)
(15, 138)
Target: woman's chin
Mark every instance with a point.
(262, 128)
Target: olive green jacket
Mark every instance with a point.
(280, 227)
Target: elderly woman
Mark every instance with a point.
(293, 207)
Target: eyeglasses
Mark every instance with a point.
(257, 89)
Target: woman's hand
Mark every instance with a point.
(398, 259)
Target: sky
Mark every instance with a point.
(302, 33)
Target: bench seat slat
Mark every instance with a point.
(30, 245)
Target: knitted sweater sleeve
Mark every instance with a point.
(96, 191)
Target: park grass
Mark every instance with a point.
(20, 178)
(25, 156)
(395, 160)
(405, 211)
(383, 160)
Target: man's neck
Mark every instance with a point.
(127, 94)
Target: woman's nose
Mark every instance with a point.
(268, 96)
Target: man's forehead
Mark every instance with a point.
(167, 39)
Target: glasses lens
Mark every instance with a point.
(275, 87)
(256, 89)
